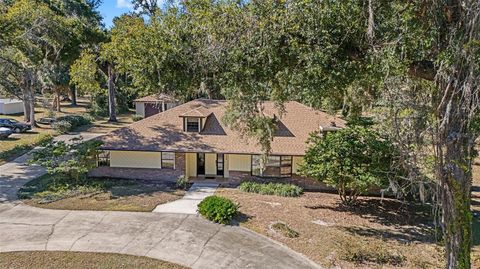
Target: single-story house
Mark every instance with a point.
(153, 104)
(11, 106)
(191, 140)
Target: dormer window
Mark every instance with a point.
(193, 124)
(194, 120)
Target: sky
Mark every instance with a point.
(113, 8)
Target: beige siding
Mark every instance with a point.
(140, 109)
(191, 164)
(237, 162)
(135, 159)
(296, 162)
(210, 163)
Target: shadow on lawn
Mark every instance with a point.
(240, 218)
(420, 233)
(409, 221)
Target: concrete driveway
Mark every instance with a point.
(179, 238)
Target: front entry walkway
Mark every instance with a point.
(188, 204)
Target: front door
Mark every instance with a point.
(200, 163)
(220, 162)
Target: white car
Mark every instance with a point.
(5, 132)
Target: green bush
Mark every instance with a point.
(67, 123)
(137, 117)
(279, 189)
(218, 209)
(182, 182)
(62, 126)
(353, 160)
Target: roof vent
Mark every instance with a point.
(332, 123)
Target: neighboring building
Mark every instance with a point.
(11, 106)
(191, 140)
(153, 104)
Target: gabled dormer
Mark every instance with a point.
(194, 120)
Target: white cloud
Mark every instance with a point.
(124, 4)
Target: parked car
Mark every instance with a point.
(46, 120)
(15, 125)
(5, 132)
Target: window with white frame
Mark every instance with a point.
(168, 160)
(193, 124)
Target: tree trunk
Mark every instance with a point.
(458, 82)
(455, 174)
(58, 104)
(32, 121)
(26, 104)
(111, 94)
(73, 96)
(28, 97)
(56, 99)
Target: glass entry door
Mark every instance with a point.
(200, 163)
(220, 164)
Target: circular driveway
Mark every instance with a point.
(188, 240)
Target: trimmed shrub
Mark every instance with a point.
(279, 189)
(137, 117)
(62, 126)
(182, 182)
(67, 123)
(218, 209)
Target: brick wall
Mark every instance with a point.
(143, 173)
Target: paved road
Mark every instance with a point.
(179, 238)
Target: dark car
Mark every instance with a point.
(5, 132)
(15, 125)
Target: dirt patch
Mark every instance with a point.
(403, 232)
(79, 260)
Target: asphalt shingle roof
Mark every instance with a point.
(155, 98)
(164, 131)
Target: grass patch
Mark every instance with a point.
(361, 253)
(80, 260)
(10, 148)
(97, 194)
(284, 229)
(279, 189)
